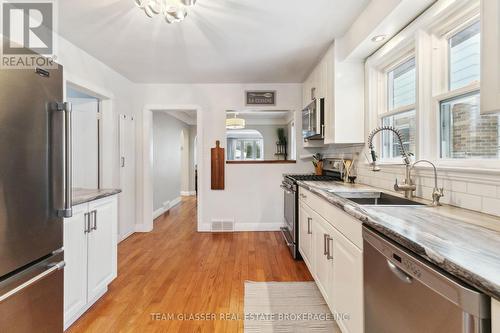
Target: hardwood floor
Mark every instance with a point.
(176, 270)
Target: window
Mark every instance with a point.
(401, 97)
(402, 85)
(464, 57)
(465, 133)
(245, 145)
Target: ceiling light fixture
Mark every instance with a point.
(235, 123)
(173, 10)
(379, 38)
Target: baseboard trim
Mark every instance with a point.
(246, 227)
(188, 193)
(160, 211)
(142, 228)
(127, 235)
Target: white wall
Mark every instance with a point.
(167, 169)
(118, 97)
(252, 198)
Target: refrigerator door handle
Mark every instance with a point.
(67, 211)
(51, 269)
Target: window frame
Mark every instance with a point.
(428, 38)
(391, 62)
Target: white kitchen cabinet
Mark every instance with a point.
(335, 251)
(75, 256)
(341, 84)
(90, 253)
(490, 53)
(305, 234)
(102, 246)
(495, 315)
(322, 249)
(347, 282)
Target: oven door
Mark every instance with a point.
(290, 213)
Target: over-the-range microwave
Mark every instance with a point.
(313, 120)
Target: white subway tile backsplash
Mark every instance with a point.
(482, 189)
(491, 206)
(467, 201)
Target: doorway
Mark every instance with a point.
(174, 133)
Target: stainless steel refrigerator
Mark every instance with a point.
(35, 196)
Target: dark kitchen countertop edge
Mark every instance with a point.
(372, 217)
(81, 196)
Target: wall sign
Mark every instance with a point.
(261, 98)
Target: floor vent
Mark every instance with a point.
(222, 226)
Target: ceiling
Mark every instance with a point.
(221, 41)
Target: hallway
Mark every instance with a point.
(176, 270)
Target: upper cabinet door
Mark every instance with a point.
(101, 245)
(490, 56)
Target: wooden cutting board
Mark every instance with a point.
(218, 166)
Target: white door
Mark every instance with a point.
(126, 223)
(85, 136)
(101, 246)
(347, 283)
(75, 256)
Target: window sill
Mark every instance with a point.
(263, 162)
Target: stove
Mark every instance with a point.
(311, 177)
(333, 171)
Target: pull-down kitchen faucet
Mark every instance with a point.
(408, 186)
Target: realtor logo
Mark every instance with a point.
(28, 38)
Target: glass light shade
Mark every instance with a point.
(235, 123)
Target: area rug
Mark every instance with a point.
(285, 307)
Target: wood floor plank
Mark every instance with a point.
(176, 270)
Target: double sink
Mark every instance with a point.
(376, 199)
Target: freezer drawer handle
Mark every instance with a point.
(399, 273)
(52, 268)
(67, 211)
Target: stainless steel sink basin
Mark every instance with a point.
(376, 199)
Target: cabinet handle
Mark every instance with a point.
(329, 255)
(325, 244)
(309, 232)
(86, 218)
(94, 214)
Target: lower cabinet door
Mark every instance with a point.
(75, 271)
(324, 262)
(347, 283)
(305, 233)
(101, 246)
(495, 315)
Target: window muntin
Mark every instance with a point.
(401, 84)
(464, 51)
(405, 122)
(465, 133)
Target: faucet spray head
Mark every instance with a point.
(375, 167)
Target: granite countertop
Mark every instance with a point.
(82, 195)
(464, 243)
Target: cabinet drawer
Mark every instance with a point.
(350, 227)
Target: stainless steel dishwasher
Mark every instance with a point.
(406, 294)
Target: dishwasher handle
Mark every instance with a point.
(399, 273)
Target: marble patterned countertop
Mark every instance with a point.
(465, 244)
(81, 195)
